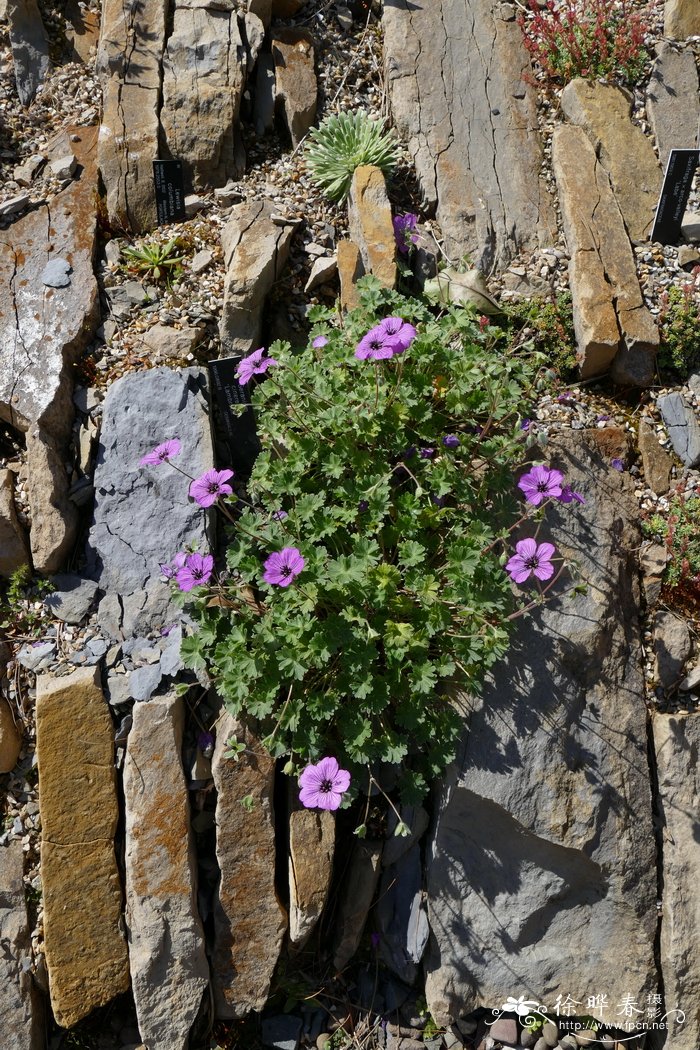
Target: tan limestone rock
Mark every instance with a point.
(350, 269)
(358, 892)
(13, 542)
(129, 58)
(204, 69)
(54, 516)
(370, 224)
(21, 1003)
(311, 848)
(86, 953)
(295, 79)
(83, 31)
(249, 920)
(676, 743)
(681, 19)
(604, 113)
(656, 461)
(10, 738)
(169, 970)
(673, 100)
(614, 329)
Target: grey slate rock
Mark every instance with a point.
(143, 515)
(282, 1031)
(36, 657)
(21, 1004)
(402, 916)
(118, 689)
(682, 425)
(144, 681)
(30, 47)
(72, 597)
(672, 647)
(14, 205)
(56, 273)
(673, 102)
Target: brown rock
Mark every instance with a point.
(656, 462)
(10, 738)
(370, 224)
(459, 81)
(13, 541)
(21, 1004)
(132, 38)
(169, 970)
(673, 100)
(614, 329)
(165, 341)
(255, 253)
(681, 19)
(249, 920)
(652, 562)
(358, 892)
(54, 516)
(83, 31)
(350, 269)
(286, 8)
(86, 953)
(311, 848)
(604, 113)
(295, 79)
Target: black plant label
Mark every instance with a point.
(238, 427)
(170, 191)
(675, 191)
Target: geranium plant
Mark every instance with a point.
(365, 576)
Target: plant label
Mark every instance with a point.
(239, 428)
(170, 191)
(675, 191)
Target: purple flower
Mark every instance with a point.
(530, 559)
(540, 484)
(319, 341)
(323, 785)
(409, 452)
(279, 515)
(376, 345)
(450, 441)
(362, 506)
(205, 743)
(565, 397)
(404, 225)
(568, 495)
(617, 464)
(161, 453)
(603, 417)
(525, 425)
(375, 938)
(207, 489)
(439, 501)
(253, 365)
(426, 453)
(400, 331)
(282, 566)
(195, 572)
(170, 570)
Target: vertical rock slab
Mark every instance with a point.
(249, 921)
(350, 269)
(542, 866)
(295, 79)
(169, 970)
(21, 1005)
(132, 37)
(86, 953)
(256, 248)
(402, 915)
(604, 113)
(311, 849)
(614, 329)
(204, 69)
(681, 19)
(370, 225)
(359, 888)
(676, 744)
(43, 331)
(673, 100)
(13, 542)
(457, 77)
(143, 515)
(30, 47)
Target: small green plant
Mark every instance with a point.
(155, 260)
(679, 530)
(679, 328)
(18, 617)
(342, 143)
(550, 325)
(585, 38)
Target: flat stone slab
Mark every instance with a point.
(30, 47)
(86, 952)
(683, 426)
(169, 969)
(673, 100)
(681, 19)
(604, 113)
(676, 744)
(21, 1003)
(458, 82)
(614, 329)
(249, 921)
(311, 851)
(143, 515)
(542, 866)
(370, 225)
(72, 597)
(295, 79)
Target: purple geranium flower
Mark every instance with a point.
(279, 515)
(205, 743)
(323, 785)
(617, 464)
(319, 341)
(169, 570)
(404, 226)
(161, 453)
(450, 441)
(568, 495)
(206, 489)
(253, 365)
(195, 572)
(282, 566)
(400, 331)
(530, 559)
(426, 453)
(376, 345)
(525, 425)
(540, 484)
(362, 506)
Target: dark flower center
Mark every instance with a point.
(326, 786)
(542, 486)
(532, 562)
(197, 573)
(285, 570)
(213, 486)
